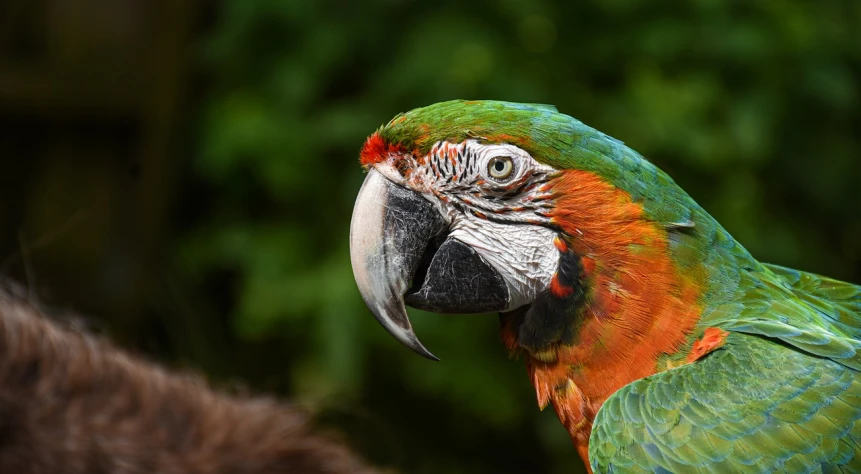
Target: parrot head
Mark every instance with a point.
(487, 206)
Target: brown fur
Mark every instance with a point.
(72, 403)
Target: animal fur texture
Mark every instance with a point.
(72, 403)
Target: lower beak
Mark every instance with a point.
(398, 249)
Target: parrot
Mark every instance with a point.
(660, 342)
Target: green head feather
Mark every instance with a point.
(552, 138)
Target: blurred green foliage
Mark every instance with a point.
(753, 107)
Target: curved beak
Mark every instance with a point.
(390, 229)
(399, 249)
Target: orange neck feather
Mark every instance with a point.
(639, 307)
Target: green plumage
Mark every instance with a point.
(550, 137)
(782, 395)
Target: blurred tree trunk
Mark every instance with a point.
(91, 94)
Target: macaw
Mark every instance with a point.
(660, 342)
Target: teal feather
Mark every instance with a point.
(795, 417)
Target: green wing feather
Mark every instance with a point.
(839, 303)
(815, 314)
(755, 406)
(783, 395)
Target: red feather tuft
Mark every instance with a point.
(376, 150)
(713, 338)
(558, 289)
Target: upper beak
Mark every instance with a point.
(392, 249)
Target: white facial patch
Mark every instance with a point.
(501, 212)
(524, 255)
(451, 167)
(501, 218)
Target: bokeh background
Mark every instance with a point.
(183, 172)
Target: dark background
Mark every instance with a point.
(183, 172)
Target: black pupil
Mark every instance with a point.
(499, 166)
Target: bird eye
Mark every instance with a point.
(500, 167)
